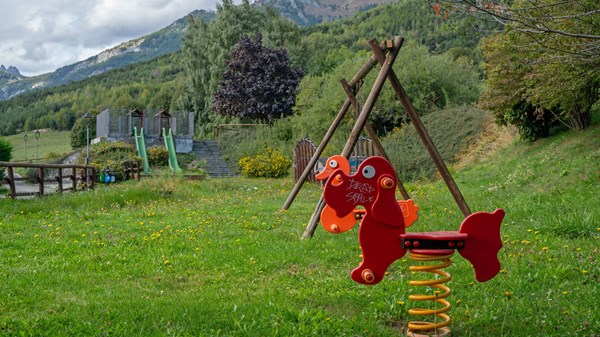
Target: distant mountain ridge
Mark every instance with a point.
(10, 70)
(309, 12)
(168, 40)
(151, 46)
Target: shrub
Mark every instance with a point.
(190, 162)
(271, 164)
(158, 156)
(54, 157)
(31, 175)
(452, 131)
(5, 154)
(79, 131)
(113, 155)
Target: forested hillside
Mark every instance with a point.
(149, 47)
(164, 82)
(455, 56)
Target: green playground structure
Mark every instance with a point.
(140, 145)
(171, 148)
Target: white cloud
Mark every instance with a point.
(39, 36)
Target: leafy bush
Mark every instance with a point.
(31, 174)
(158, 156)
(247, 142)
(5, 154)
(190, 162)
(79, 131)
(115, 156)
(452, 131)
(271, 164)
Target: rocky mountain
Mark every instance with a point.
(168, 40)
(11, 70)
(164, 41)
(308, 12)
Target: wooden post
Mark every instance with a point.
(59, 179)
(359, 124)
(317, 154)
(362, 72)
(40, 180)
(374, 137)
(422, 132)
(11, 182)
(93, 176)
(74, 179)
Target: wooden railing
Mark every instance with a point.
(86, 177)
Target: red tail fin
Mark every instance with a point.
(483, 243)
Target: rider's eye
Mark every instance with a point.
(368, 171)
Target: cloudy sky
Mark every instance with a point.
(39, 36)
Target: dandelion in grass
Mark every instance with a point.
(508, 294)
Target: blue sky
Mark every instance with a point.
(39, 36)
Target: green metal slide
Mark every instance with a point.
(171, 148)
(140, 145)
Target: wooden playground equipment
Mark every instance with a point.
(392, 48)
(384, 219)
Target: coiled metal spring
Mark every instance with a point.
(441, 291)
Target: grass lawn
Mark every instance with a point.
(49, 141)
(167, 257)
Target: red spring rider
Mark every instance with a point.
(383, 239)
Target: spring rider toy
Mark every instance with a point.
(329, 219)
(383, 239)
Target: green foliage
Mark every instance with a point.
(187, 79)
(31, 175)
(535, 81)
(251, 141)
(191, 163)
(115, 156)
(158, 156)
(431, 81)
(452, 131)
(5, 153)
(270, 164)
(208, 45)
(135, 85)
(5, 150)
(79, 132)
(412, 19)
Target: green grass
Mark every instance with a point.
(49, 141)
(167, 257)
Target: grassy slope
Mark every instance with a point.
(50, 141)
(215, 258)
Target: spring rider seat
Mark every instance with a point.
(383, 239)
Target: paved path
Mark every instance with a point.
(22, 186)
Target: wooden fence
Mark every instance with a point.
(303, 152)
(86, 177)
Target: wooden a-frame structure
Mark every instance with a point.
(392, 48)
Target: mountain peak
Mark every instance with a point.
(10, 70)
